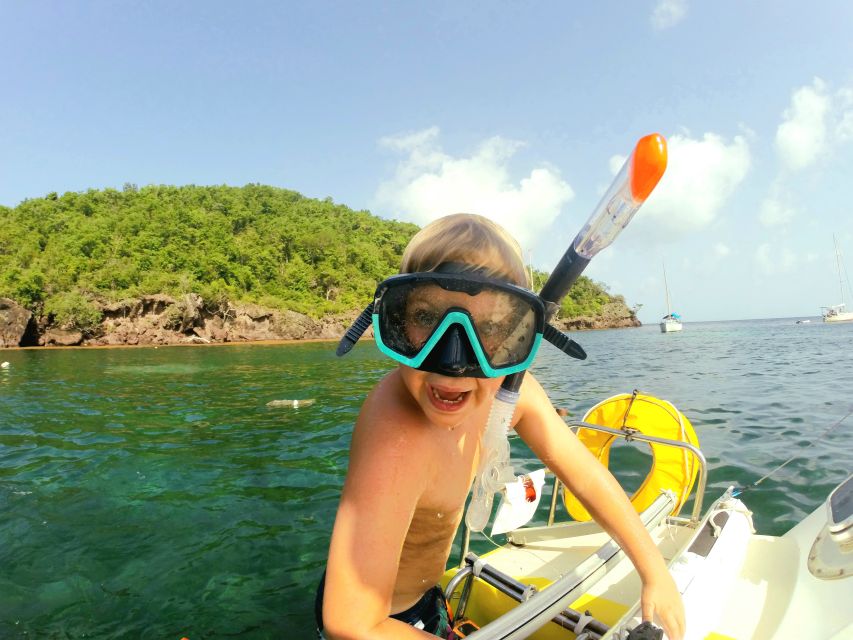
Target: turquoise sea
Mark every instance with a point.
(150, 493)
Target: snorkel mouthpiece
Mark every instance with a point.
(495, 469)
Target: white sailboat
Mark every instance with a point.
(671, 321)
(837, 313)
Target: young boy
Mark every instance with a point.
(417, 441)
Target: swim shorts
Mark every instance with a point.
(430, 613)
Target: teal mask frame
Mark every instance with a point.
(463, 319)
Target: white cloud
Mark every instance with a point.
(701, 174)
(721, 250)
(802, 136)
(616, 163)
(844, 129)
(668, 13)
(412, 141)
(816, 122)
(430, 183)
(776, 210)
(772, 260)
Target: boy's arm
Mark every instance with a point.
(558, 447)
(378, 500)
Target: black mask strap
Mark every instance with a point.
(355, 331)
(563, 342)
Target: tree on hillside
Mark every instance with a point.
(65, 255)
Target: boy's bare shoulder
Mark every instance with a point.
(389, 410)
(533, 401)
(388, 430)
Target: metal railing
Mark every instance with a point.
(629, 435)
(633, 434)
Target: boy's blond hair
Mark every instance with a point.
(469, 239)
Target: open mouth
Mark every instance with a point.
(447, 399)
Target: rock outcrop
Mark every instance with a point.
(161, 320)
(614, 315)
(61, 338)
(585, 323)
(14, 322)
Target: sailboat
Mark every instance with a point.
(837, 313)
(671, 321)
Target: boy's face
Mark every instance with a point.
(447, 401)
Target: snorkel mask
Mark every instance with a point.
(457, 322)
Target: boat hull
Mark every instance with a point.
(844, 316)
(670, 326)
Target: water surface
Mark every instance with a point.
(150, 493)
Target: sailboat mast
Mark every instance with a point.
(838, 264)
(666, 289)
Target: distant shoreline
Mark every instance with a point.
(85, 347)
(231, 343)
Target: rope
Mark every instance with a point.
(514, 549)
(716, 528)
(836, 424)
(628, 410)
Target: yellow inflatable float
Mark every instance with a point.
(673, 468)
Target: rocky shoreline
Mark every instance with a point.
(163, 320)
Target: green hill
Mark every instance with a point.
(65, 257)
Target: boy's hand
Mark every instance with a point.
(662, 605)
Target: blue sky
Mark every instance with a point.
(521, 111)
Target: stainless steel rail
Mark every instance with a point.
(629, 435)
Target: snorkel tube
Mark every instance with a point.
(629, 190)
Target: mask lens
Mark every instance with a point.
(507, 337)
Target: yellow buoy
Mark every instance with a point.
(673, 468)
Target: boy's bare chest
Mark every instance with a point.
(452, 461)
(452, 472)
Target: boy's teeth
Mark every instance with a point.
(453, 400)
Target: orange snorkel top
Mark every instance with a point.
(647, 164)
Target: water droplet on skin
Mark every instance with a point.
(439, 515)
